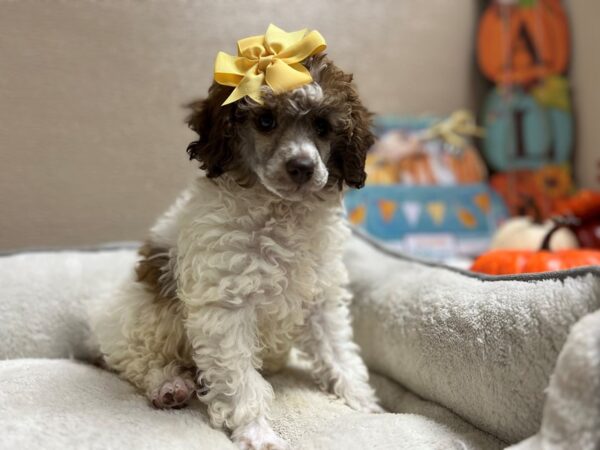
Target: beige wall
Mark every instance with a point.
(92, 140)
(585, 17)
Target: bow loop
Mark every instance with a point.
(272, 59)
(311, 44)
(251, 47)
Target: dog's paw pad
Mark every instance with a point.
(173, 393)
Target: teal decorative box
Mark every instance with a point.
(430, 221)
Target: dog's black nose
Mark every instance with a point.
(300, 169)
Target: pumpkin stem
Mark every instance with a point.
(559, 222)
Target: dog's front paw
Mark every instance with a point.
(258, 435)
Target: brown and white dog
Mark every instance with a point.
(248, 261)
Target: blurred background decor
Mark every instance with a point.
(524, 50)
(428, 176)
(426, 190)
(523, 47)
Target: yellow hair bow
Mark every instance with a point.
(273, 59)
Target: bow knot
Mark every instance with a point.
(273, 59)
(264, 62)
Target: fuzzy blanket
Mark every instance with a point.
(62, 404)
(477, 353)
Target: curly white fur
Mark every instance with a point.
(255, 275)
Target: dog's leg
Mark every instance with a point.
(337, 365)
(226, 351)
(144, 341)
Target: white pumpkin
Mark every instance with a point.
(524, 233)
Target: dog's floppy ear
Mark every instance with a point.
(360, 140)
(350, 149)
(215, 147)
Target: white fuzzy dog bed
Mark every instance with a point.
(477, 354)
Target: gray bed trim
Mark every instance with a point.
(558, 275)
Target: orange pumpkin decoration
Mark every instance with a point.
(523, 42)
(510, 262)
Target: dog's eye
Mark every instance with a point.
(266, 121)
(322, 126)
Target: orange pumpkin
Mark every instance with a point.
(523, 42)
(509, 262)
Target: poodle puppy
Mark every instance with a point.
(248, 261)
